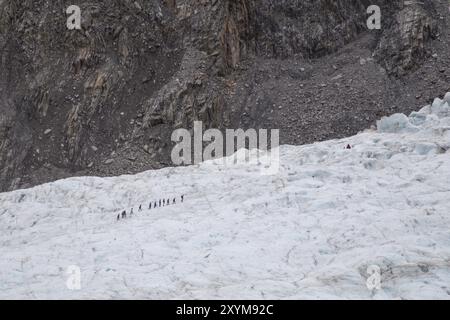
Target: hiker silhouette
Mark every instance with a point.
(163, 202)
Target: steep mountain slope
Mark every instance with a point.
(104, 100)
(310, 231)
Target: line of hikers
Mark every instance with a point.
(161, 202)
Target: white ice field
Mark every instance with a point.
(310, 231)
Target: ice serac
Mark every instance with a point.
(314, 229)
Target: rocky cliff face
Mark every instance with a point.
(105, 99)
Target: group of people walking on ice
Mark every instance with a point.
(154, 204)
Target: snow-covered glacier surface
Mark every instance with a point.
(309, 231)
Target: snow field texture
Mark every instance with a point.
(310, 231)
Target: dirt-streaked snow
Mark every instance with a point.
(310, 231)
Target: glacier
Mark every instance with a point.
(310, 231)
